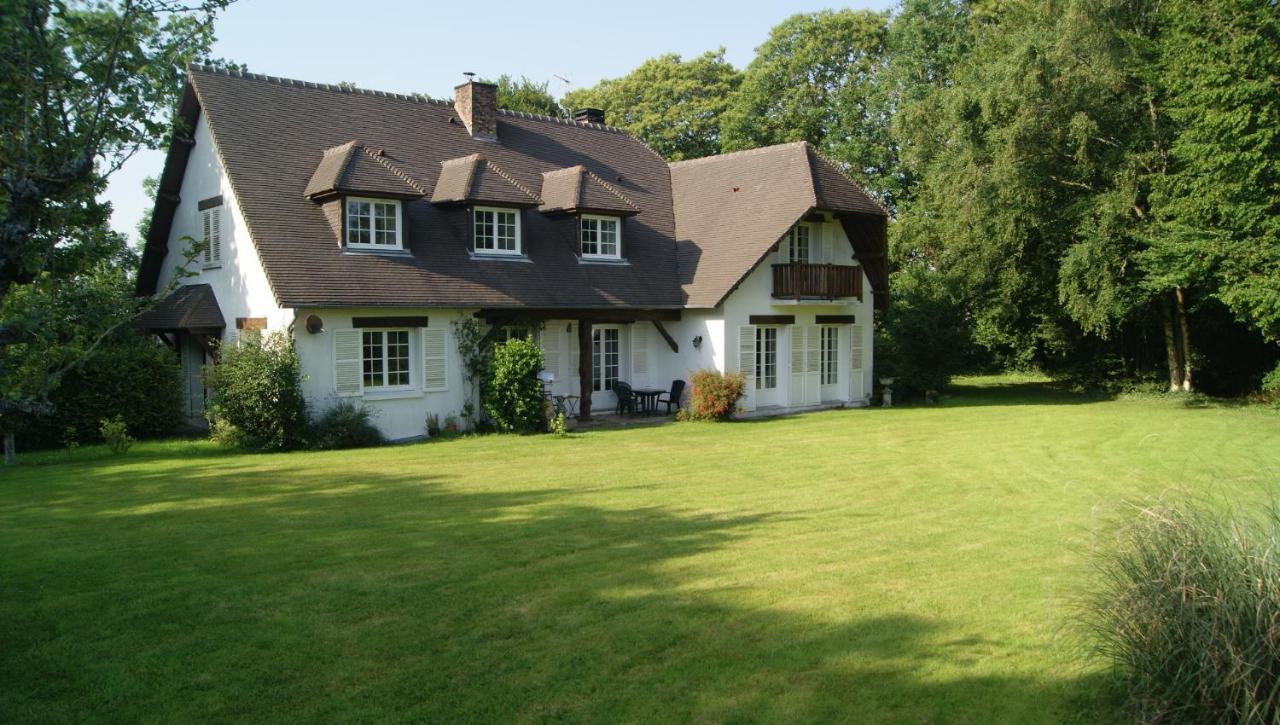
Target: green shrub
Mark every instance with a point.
(1271, 382)
(925, 335)
(713, 395)
(345, 425)
(256, 395)
(1187, 610)
(116, 434)
(131, 377)
(512, 393)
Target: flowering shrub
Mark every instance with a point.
(713, 395)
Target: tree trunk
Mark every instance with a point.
(10, 450)
(1170, 345)
(584, 369)
(1185, 330)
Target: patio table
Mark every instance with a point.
(648, 398)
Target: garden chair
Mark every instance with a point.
(626, 399)
(673, 398)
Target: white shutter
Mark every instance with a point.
(348, 363)
(215, 238)
(813, 354)
(857, 383)
(435, 360)
(206, 234)
(795, 392)
(575, 360)
(826, 235)
(639, 355)
(747, 364)
(549, 340)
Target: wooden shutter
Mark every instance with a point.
(795, 391)
(747, 364)
(215, 241)
(813, 369)
(206, 234)
(826, 244)
(549, 340)
(857, 382)
(348, 364)
(639, 354)
(575, 360)
(435, 360)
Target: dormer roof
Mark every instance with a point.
(474, 179)
(577, 190)
(352, 168)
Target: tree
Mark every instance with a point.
(815, 80)
(1221, 202)
(527, 96)
(675, 106)
(83, 86)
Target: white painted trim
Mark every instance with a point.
(372, 246)
(617, 242)
(486, 252)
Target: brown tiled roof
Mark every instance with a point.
(190, 307)
(699, 226)
(476, 179)
(352, 168)
(271, 133)
(731, 210)
(576, 189)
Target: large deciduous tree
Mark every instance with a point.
(83, 87)
(522, 94)
(676, 106)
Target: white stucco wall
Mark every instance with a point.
(400, 414)
(239, 283)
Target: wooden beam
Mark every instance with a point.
(666, 336)
(251, 323)
(597, 315)
(771, 319)
(833, 319)
(584, 369)
(391, 321)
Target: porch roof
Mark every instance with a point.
(190, 307)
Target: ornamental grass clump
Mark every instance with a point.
(714, 395)
(1186, 609)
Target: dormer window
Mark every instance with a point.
(373, 224)
(497, 230)
(601, 237)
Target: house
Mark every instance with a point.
(365, 224)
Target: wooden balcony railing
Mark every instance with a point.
(824, 281)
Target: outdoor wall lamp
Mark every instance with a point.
(697, 341)
(315, 325)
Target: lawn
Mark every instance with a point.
(914, 564)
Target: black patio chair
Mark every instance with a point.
(673, 397)
(626, 398)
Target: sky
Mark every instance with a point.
(426, 46)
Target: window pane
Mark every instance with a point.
(384, 224)
(484, 230)
(359, 222)
(373, 363)
(590, 237)
(506, 230)
(398, 357)
(609, 237)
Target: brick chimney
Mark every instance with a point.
(477, 106)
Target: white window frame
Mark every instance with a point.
(808, 243)
(617, 236)
(600, 382)
(829, 366)
(373, 203)
(495, 210)
(763, 364)
(409, 360)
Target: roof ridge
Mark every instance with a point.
(394, 169)
(510, 179)
(611, 189)
(743, 152)
(295, 83)
(416, 97)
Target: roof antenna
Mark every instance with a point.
(470, 75)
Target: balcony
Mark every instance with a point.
(799, 281)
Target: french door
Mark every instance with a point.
(766, 366)
(606, 358)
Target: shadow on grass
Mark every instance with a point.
(963, 395)
(225, 591)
